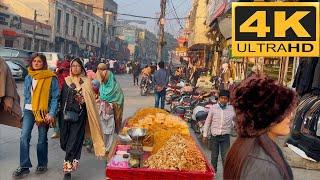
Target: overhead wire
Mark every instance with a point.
(175, 12)
(131, 15)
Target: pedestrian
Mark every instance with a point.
(91, 65)
(62, 71)
(79, 108)
(218, 125)
(112, 64)
(264, 110)
(41, 94)
(111, 92)
(136, 68)
(10, 111)
(106, 116)
(161, 80)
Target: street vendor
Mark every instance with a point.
(10, 111)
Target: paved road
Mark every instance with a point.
(90, 167)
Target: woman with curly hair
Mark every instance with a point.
(264, 110)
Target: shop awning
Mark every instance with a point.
(200, 46)
(225, 27)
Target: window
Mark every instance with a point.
(67, 24)
(59, 20)
(74, 26)
(88, 30)
(43, 46)
(27, 43)
(93, 31)
(98, 35)
(8, 43)
(82, 23)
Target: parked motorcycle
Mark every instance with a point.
(145, 86)
(200, 113)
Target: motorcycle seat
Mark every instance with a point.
(180, 110)
(201, 115)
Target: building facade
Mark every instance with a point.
(142, 43)
(198, 43)
(59, 25)
(76, 30)
(18, 32)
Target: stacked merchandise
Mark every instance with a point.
(305, 136)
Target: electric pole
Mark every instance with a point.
(34, 30)
(161, 23)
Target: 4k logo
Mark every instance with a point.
(275, 29)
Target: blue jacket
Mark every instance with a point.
(53, 96)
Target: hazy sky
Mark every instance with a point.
(150, 8)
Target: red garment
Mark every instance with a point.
(63, 71)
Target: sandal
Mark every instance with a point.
(75, 164)
(67, 167)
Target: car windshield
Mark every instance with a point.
(23, 54)
(12, 65)
(8, 52)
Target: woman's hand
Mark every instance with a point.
(49, 119)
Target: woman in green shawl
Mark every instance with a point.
(111, 92)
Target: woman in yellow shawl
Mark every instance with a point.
(77, 96)
(41, 94)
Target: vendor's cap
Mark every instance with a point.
(260, 103)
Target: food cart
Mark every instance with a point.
(161, 147)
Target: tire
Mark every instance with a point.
(142, 91)
(195, 127)
(168, 95)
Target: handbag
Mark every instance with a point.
(70, 116)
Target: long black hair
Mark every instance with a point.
(79, 61)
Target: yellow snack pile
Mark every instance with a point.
(178, 153)
(159, 123)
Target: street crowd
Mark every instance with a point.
(84, 102)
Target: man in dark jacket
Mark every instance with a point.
(160, 79)
(136, 68)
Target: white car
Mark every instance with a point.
(53, 58)
(16, 71)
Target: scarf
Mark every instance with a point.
(223, 107)
(93, 116)
(40, 97)
(110, 91)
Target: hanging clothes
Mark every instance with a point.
(316, 76)
(304, 75)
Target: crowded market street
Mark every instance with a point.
(90, 168)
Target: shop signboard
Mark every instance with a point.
(215, 9)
